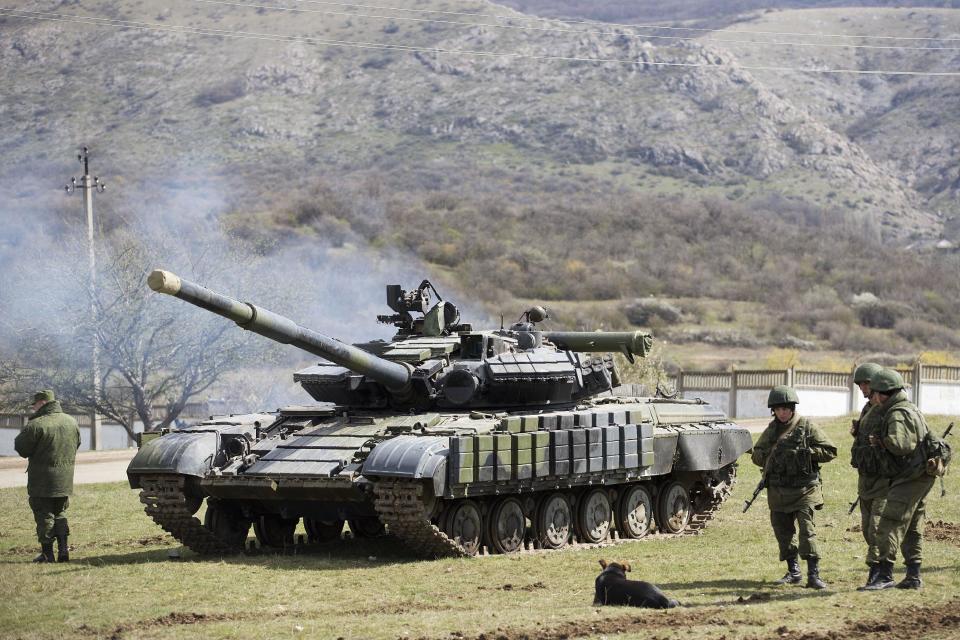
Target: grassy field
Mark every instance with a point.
(121, 583)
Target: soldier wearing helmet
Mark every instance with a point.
(872, 485)
(897, 451)
(790, 451)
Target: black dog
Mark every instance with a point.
(612, 587)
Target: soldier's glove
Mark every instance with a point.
(854, 427)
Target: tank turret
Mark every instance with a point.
(434, 361)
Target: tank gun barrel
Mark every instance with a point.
(629, 343)
(394, 375)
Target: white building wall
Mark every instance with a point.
(940, 397)
(752, 403)
(824, 402)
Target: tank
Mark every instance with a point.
(454, 440)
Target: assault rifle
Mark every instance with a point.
(756, 492)
(946, 434)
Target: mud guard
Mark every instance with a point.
(411, 457)
(189, 453)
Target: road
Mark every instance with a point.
(92, 466)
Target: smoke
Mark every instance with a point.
(183, 227)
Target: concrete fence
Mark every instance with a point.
(743, 393)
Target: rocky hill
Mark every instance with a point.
(263, 106)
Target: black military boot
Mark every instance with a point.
(793, 575)
(871, 576)
(62, 531)
(813, 574)
(883, 579)
(912, 581)
(46, 553)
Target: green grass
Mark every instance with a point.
(121, 584)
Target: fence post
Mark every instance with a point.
(854, 391)
(733, 394)
(917, 376)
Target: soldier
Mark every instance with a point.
(897, 450)
(872, 486)
(50, 441)
(790, 450)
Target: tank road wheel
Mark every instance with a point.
(367, 527)
(322, 530)
(508, 526)
(465, 525)
(226, 523)
(673, 512)
(635, 512)
(274, 531)
(593, 516)
(554, 518)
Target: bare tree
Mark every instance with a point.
(154, 354)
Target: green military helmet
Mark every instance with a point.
(886, 381)
(865, 371)
(782, 394)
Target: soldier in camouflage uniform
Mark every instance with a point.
(790, 450)
(50, 441)
(897, 451)
(872, 486)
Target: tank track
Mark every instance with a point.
(399, 505)
(166, 502)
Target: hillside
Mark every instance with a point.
(252, 107)
(776, 208)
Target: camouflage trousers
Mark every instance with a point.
(51, 517)
(870, 512)
(787, 526)
(901, 521)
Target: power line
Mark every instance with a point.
(625, 25)
(755, 43)
(109, 22)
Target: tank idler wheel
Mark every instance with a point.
(367, 527)
(554, 520)
(226, 523)
(507, 527)
(322, 530)
(673, 508)
(594, 515)
(465, 525)
(635, 512)
(274, 531)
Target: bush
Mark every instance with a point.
(927, 334)
(876, 313)
(647, 311)
(220, 93)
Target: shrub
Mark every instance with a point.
(927, 334)
(647, 311)
(220, 93)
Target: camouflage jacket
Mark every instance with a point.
(900, 429)
(871, 482)
(50, 441)
(793, 473)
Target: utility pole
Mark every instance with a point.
(89, 185)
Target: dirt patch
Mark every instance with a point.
(583, 629)
(943, 531)
(908, 622)
(755, 597)
(513, 587)
(914, 621)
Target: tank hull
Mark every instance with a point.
(449, 483)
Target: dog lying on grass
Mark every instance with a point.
(612, 587)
